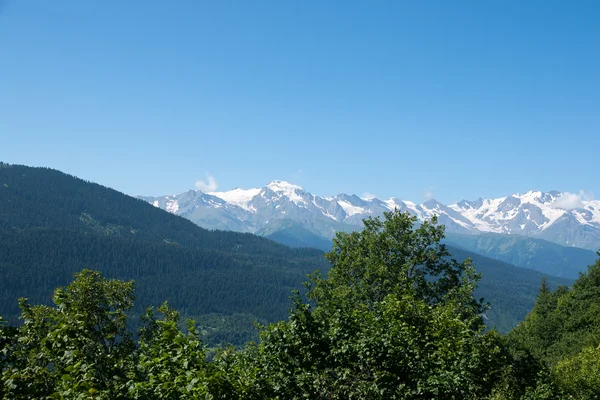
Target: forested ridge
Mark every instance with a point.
(394, 318)
(53, 224)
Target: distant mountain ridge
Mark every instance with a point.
(535, 214)
(536, 254)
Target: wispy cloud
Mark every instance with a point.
(368, 196)
(570, 201)
(207, 185)
(428, 193)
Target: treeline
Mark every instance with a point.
(395, 318)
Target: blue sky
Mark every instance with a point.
(396, 98)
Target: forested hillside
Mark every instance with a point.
(53, 224)
(510, 291)
(542, 256)
(563, 331)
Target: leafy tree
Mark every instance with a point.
(172, 364)
(79, 347)
(579, 376)
(392, 257)
(394, 318)
(563, 332)
(7, 341)
(564, 322)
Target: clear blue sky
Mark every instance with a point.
(396, 98)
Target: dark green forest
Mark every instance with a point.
(53, 225)
(394, 318)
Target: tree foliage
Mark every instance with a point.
(563, 332)
(394, 318)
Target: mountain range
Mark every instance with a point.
(288, 212)
(536, 214)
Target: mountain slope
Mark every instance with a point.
(511, 291)
(539, 255)
(293, 234)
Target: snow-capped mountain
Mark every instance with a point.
(537, 214)
(281, 205)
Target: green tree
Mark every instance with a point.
(80, 347)
(564, 322)
(7, 341)
(579, 376)
(544, 287)
(172, 364)
(394, 318)
(391, 256)
(563, 332)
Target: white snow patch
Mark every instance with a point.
(459, 222)
(172, 206)
(394, 203)
(328, 215)
(155, 204)
(580, 217)
(238, 197)
(349, 208)
(481, 217)
(530, 197)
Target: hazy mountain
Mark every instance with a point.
(539, 255)
(551, 216)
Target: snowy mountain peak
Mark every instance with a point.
(283, 186)
(289, 191)
(432, 204)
